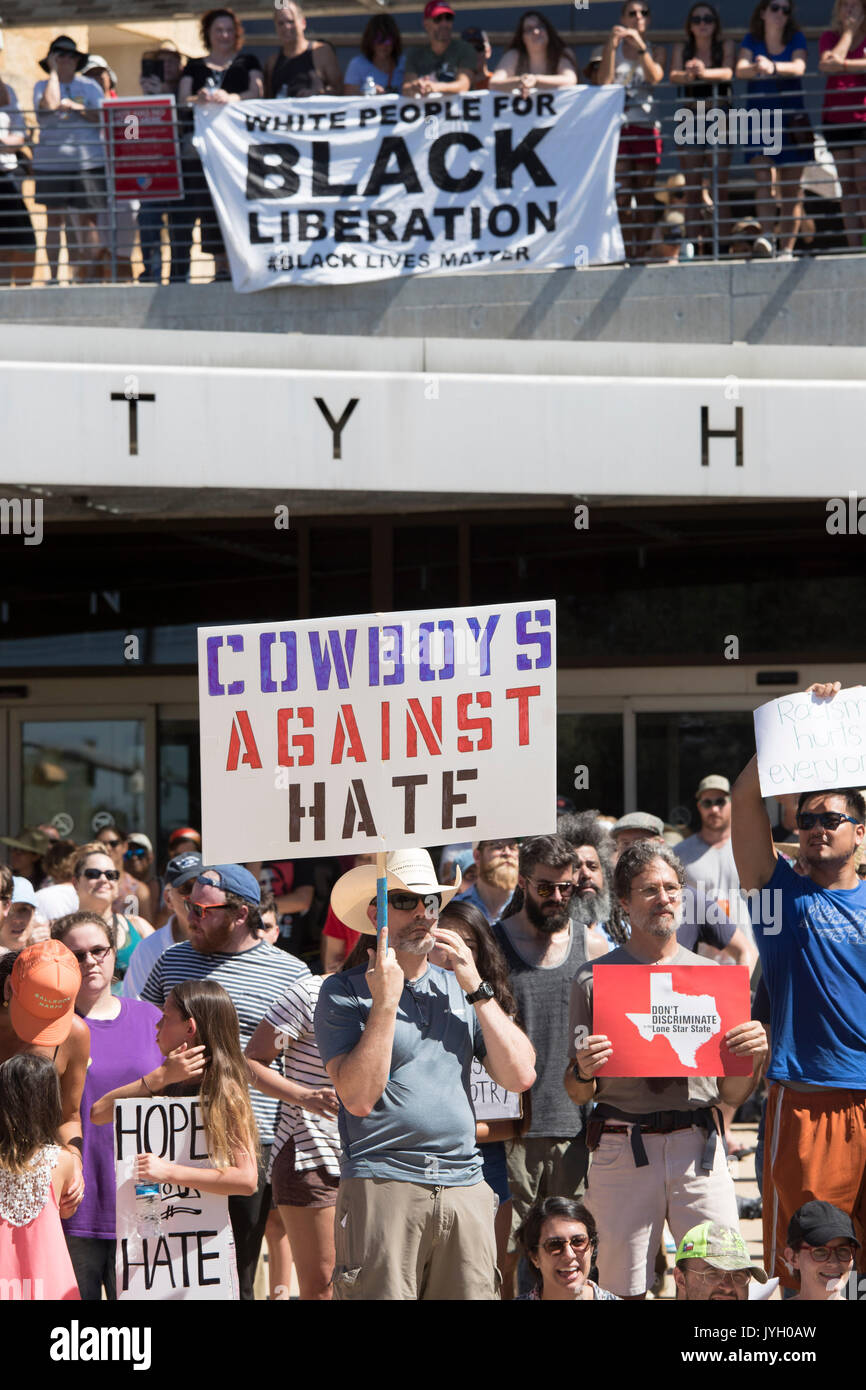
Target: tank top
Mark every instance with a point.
(124, 954)
(33, 1250)
(706, 91)
(543, 1002)
(292, 77)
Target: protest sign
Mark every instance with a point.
(490, 1101)
(343, 735)
(191, 1254)
(670, 1020)
(143, 150)
(331, 190)
(808, 744)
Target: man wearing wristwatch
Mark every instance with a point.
(414, 1218)
(656, 1142)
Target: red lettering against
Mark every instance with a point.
(347, 727)
(242, 729)
(386, 730)
(479, 723)
(302, 743)
(418, 723)
(522, 694)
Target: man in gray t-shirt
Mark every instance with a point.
(414, 1218)
(672, 1164)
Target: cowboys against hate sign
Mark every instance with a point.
(345, 735)
(332, 190)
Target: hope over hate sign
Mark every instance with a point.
(809, 744)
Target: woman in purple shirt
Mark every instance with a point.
(122, 1048)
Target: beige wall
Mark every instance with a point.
(120, 44)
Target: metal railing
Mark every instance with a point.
(688, 187)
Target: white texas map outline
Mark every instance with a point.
(687, 1021)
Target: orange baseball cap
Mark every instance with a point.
(45, 982)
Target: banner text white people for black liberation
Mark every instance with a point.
(340, 190)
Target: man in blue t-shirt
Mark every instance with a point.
(810, 928)
(414, 1218)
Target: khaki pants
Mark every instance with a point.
(407, 1241)
(630, 1204)
(539, 1168)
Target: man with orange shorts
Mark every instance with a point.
(810, 928)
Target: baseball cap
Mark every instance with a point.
(638, 820)
(234, 878)
(721, 1246)
(185, 832)
(45, 981)
(434, 8)
(182, 869)
(138, 839)
(714, 783)
(22, 892)
(817, 1222)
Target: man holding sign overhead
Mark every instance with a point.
(811, 933)
(414, 1218)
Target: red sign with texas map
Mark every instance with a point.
(670, 1020)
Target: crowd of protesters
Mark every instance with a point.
(337, 1091)
(61, 141)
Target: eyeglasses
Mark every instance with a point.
(198, 912)
(707, 801)
(822, 1253)
(740, 1277)
(648, 894)
(112, 844)
(93, 874)
(97, 952)
(556, 1244)
(545, 889)
(828, 820)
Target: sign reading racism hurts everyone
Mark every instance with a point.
(336, 191)
(809, 744)
(191, 1255)
(345, 735)
(668, 1020)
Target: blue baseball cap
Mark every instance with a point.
(182, 868)
(234, 878)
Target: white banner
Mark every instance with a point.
(345, 735)
(806, 744)
(335, 190)
(191, 1255)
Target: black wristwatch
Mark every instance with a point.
(484, 991)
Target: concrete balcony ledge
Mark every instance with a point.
(816, 301)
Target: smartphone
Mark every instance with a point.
(153, 67)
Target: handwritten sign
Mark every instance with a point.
(343, 734)
(806, 744)
(191, 1254)
(670, 1020)
(490, 1101)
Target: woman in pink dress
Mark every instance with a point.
(35, 1172)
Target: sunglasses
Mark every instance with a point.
(408, 902)
(828, 820)
(822, 1253)
(97, 952)
(636, 14)
(111, 874)
(708, 801)
(556, 1244)
(184, 889)
(702, 19)
(546, 889)
(135, 852)
(780, 9)
(198, 912)
(112, 844)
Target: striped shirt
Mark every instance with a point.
(317, 1140)
(253, 980)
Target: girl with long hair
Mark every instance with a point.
(537, 57)
(843, 60)
(199, 1037)
(629, 59)
(703, 65)
(35, 1176)
(772, 58)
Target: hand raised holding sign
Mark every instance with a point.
(596, 1051)
(747, 1039)
(384, 974)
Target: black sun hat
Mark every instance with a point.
(63, 44)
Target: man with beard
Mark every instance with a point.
(224, 945)
(543, 950)
(496, 861)
(713, 1265)
(414, 1217)
(591, 905)
(655, 1141)
(811, 933)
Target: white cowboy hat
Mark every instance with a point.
(406, 870)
